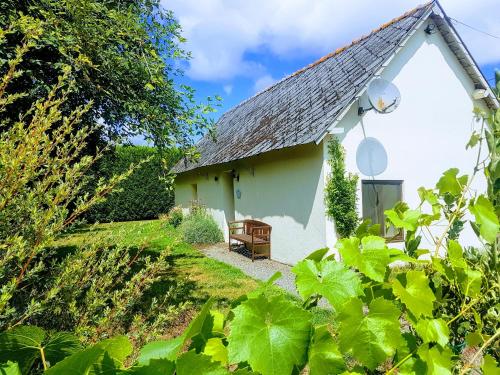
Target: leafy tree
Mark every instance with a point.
(127, 55)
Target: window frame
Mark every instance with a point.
(400, 237)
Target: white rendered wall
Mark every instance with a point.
(427, 134)
(210, 193)
(281, 188)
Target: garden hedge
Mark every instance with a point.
(144, 195)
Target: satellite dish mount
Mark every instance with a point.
(383, 96)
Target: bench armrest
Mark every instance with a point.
(232, 227)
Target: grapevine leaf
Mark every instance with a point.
(318, 255)
(372, 259)
(373, 337)
(330, 279)
(215, 349)
(490, 366)
(433, 330)
(155, 367)
(106, 357)
(22, 345)
(218, 321)
(456, 255)
(191, 363)
(438, 361)
(416, 294)
(10, 368)
(324, 356)
(474, 339)
(474, 140)
(470, 281)
(486, 218)
(450, 183)
(407, 220)
(272, 335)
(169, 349)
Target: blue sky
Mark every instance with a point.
(241, 47)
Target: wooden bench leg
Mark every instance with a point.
(229, 240)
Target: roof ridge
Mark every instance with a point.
(334, 53)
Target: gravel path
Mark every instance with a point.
(261, 269)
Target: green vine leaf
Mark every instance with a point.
(191, 363)
(490, 366)
(486, 218)
(216, 350)
(106, 356)
(324, 356)
(407, 220)
(24, 345)
(169, 349)
(450, 183)
(371, 259)
(330, 279)
(10, 368)
(416, 293)
(371, 338)
(272, 335)
(433, 330)
(438, 360)
(470, 281)
(155, 367)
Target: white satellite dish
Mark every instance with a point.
(371, 157)
(383, 96)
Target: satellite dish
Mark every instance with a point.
(371, 157)
(383, 96)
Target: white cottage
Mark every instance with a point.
(269, 159)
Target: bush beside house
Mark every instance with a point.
(142, 196)
(199, 227)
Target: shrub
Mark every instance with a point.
(144, 195)
(175, 217)
(199, 227)
(340, 192)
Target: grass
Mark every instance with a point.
(201, 277)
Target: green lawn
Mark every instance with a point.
(201, 277)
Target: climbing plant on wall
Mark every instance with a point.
(340, 191)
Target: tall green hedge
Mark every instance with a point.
(144, 195)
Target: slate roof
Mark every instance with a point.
(301, 107)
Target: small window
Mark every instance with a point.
(378, 196)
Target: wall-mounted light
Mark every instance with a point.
(430, 29)
(235, 175)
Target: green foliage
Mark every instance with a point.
(175, 217)
(199, 227)
(42, 176)
(30, 346)
(95, 291)
(387, 319)
(332, 280)
(128, 55)
(340, 192)
(277, 338)
(144, 195)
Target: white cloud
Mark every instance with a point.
(263, 82)
(221, 33)
(228, 89)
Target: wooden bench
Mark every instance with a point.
(256, 236)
